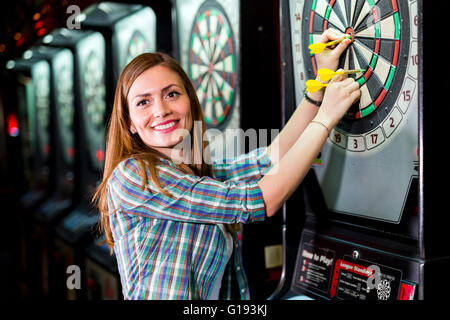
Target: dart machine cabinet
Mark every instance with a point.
(29, 87)
(61, 146)
(229, 50)
(367, 234)
(128, 30)
(75, 231)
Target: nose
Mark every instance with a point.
(161, 108)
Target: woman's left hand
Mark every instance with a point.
(329, 57)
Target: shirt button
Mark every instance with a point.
(238, 268)
(242, 290)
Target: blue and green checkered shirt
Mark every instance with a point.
(173, 247)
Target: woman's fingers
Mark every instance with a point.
(338, 77)
(355, 95)
(341, 47)
(354, 85)
(330, 35)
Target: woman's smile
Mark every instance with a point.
(166, 126)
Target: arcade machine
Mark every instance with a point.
(62, 154)
(31, 92)
(222, 46)
(365, 236)
(129, 30)
(75, 231)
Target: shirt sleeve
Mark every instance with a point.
(251, 165)
(193, 199)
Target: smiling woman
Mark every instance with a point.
(172, 224)
(159, 104)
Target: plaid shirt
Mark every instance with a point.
(173, 248)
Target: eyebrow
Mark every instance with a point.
(149, 94)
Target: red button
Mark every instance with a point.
(407, 291)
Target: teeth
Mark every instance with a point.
(165, 126)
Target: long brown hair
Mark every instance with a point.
(122, 144)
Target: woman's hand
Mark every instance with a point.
(340, 94)
(329, 57)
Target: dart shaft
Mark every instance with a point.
(337, 41)
(351, 71)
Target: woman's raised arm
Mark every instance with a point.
(285, 176)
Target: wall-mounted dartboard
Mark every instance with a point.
(376, 142)
(213, 63)
(95, 91)
(134, 33)
(63, 72)
(380, 32)
(137, 45)
(91, 58)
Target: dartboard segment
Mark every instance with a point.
(212, 63)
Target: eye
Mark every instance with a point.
(172, 95)
(142, 103)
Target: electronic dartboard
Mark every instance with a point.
(41, 80)
(91, 60)
(209, 52)
(136, 33)
(63, 73)
(370, 159)
(136, 46)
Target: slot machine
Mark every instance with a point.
(30, 91)
(365, 235)
(128, 30)
(62, 155)
(76, 230)
(222, 46)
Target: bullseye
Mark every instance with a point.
(351, 32)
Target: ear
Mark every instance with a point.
(133, 129)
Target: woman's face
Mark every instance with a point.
(158, 105)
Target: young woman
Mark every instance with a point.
(170, 223)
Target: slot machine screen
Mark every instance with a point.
(367, 170)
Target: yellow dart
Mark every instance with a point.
(319, 47)
(326, 74)
(314, 85)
